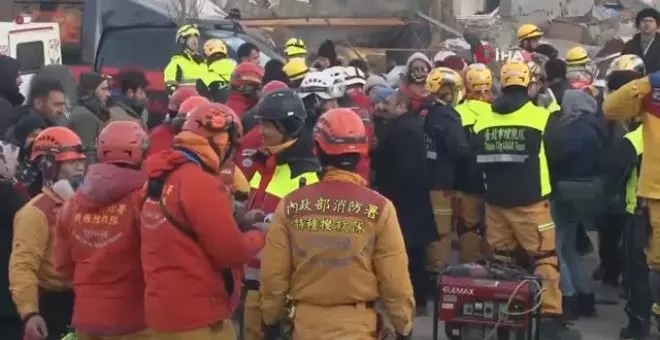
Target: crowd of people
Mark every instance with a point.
(315, 190)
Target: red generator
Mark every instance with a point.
(487, 302)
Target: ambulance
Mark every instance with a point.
(34, 45)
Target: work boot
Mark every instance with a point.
(570, 307)
(607, 295)
(553, 328)
(636, 330)
(586, 305)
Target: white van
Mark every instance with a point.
(34, 45)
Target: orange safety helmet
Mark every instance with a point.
(58, 142)
(179, 96)
(341, 131)
(122, 142)
(192, 103)
(247, 74)
(211, 119)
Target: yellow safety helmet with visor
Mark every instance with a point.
(295, 47)
(528, 31)
(444, 81)
(186, 31)
(515, 73)
(627, 62)
(296, 69)
(478, 78)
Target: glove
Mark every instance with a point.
(35, 327)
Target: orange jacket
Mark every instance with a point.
(97, 246)
(193, 276)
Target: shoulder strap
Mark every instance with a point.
(155, 188)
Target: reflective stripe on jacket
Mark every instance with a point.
(637, 140)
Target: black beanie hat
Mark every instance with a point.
(646, 13)
(327, 50)
(555, 69)
(89, 82)
(273, 71)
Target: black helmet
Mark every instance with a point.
(284, 108)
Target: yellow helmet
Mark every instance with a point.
(515, 73)
(295, 46)
(214, 46)
(296, 69)
(185, 31)
(443, 80)
(627, 62)
(528, 31)
(478, 78)
(577, 56)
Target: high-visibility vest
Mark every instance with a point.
(183, 68)
(471, 109)
(637, 140)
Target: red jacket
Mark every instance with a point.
(97, 246)
(161, 138)
(365, 108)
(193, 276)
(250, 143)
(239, 102)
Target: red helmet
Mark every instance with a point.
(211, 119)
(122, 142)
(179, 96)
(191, 103)
(61, 142)
(341, 131)
(247, 74)
(273, 85)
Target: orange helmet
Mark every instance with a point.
(60, 142)
(274, 85)
(191, 103)
(122, 142)
(211, 119)
(248, 75)
(179, 96)
(341, 131)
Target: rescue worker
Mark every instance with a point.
(220, 69)
(186, 66)
(579, 70)
(469, 180)
(529, 37)
(96, 237)
(540, 94)
(446, 147)
(510, 152)
(43, 299)
(177, 98)
(162, 137)
(244, 87)
(355, 80)
(189, 236)
(577, 56)
(335, 247)
(295, 49)
(295, 69)
(638, 96)
(285, 161)
(320, 91)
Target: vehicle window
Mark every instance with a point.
(146, 48)
(30, 55)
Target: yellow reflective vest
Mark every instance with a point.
(511, 153)
(184, 68)
(219, 71)
(471, 109)
(636, 138)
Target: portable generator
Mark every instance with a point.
(487, 302)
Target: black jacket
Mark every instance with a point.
(401, 176)
(652, 56)
(446, 145)
(12, 201)
(10, 96)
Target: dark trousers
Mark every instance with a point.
(11, 328)
(610, 229)
(636, 270)
(419, 276)
(57, 309)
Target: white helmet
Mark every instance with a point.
(322, 84)
(354, 76)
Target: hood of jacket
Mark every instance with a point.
(511, 100)
(107, 183)
(418, 56)
(576, 103)
(8, 74)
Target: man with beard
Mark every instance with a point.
(91, 114)
(130, 104)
